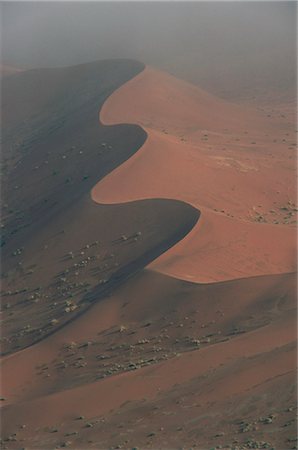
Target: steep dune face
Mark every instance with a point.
(61, 251)
(221, 158)
(101, 353)
(156, 99)
(220, 248)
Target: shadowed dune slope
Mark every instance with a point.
(100, 352)
(226, 160)
(220, 345)
(60, 250)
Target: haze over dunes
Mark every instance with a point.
(6, 70)
(84, 340)
(149, 226)
(243, 50)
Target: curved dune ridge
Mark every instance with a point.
(158, 361)
(219, 157)
(62, 149)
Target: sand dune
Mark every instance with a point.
(243, 191)
(235, 302)
(59, 246)
(267, 337)
(195, 350)
(155, 99)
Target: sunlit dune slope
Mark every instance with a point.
(100, 353)
(226, 160)
(155, 99)
(61, 250)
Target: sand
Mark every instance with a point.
(149, 292)
(229, 365)
(199, 150)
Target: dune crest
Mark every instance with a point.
(101, 352)
(221, 159)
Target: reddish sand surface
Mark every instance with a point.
(226, 160)
(180, 352)
(148, 277)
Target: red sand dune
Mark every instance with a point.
(199, 149)
(157, 362)
(234, 302)
(228, 367)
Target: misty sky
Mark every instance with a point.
(221, 45)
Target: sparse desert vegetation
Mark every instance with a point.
(149, 257)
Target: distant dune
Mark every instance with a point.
(6, 69)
